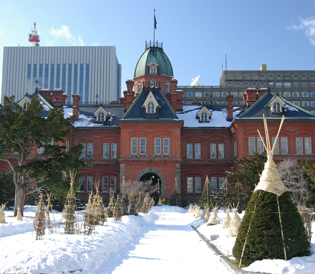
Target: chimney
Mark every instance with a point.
(229, 100)
(250, 96)
(263, 67)
(75, 108)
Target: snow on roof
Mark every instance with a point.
(218, 118)
(291, 108)
(68, 112)
(44, 106)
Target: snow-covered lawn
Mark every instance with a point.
(148, 243)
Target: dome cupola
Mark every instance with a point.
(153, 61)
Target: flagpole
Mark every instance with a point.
(154, 25)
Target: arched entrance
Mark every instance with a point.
(155, 183)
(157, 175)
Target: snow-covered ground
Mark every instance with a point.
(149, 243)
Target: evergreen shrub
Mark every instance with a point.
(264, 240)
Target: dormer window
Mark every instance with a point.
(153, 83)
(150, 104)
(276, 104)
(153, 68)
(101, 115)
(204, 115)
(150, 107)
(276, 107)
(25, 102)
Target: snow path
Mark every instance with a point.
(169, 245)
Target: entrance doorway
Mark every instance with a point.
(156, 183)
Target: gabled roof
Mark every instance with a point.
(262, 106)
(138, 112)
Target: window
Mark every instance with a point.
(113, 152)
(251, 145)
(284, 145)
(142, 146)
(278, 84)
(308, 145)
(189, 184)
(153, 84)
(198, 94)
(100, 117)
(105, 184)
(221, 183)
(197, 184)
(213, 151)
(260, 145)
(82, 184)
(106, 150)
(89, 184)
(25, 105)
(166, 146)
(139, 86)
(83, 151)
(299, 145)
(305, 94)
(287, 94)
(305, 103)
(206, 94)
(295, 94)
(40, 150)
(167, 87)
(220, 151)
(90, 150)
(204, 117)
(153, 69)
(134, 146)
(150, 108)
(276, 107)
(189, 151)
(312, 94)
(213, 182)
(197, 151)
(157, 146)
(287, 84)
(189, 94)
(113, 184)
(276, 151)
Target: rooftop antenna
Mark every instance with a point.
(154, 28)
(33, 37)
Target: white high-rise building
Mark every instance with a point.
(92, 72)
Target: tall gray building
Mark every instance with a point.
(92, 72)
(296, 86)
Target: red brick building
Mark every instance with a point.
(151, 135)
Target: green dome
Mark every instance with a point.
(153, 55)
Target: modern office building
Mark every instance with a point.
(92, 72)
(296, 86)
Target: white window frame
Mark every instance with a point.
(221, 182)
(153, 83)
(83, 151)
(276, 151)
(113, 150)
(308, 145)
(82, 184)
(166, 146)
(251, 145)
(167, 87)
(214, 184)
(221, 151)
(213, 151)
(190, 185)
(157, 146)
(105, 184)
(197, 184)
(134, 145)
(105, 150)
(284, 145)
(151, 108)
(299, 145)
(90, 150)
(113, 184)
(142, 145)
(197, 151)
(89, 184)
(190, 151)
(260, 145)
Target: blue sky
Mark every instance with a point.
(196, 34)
